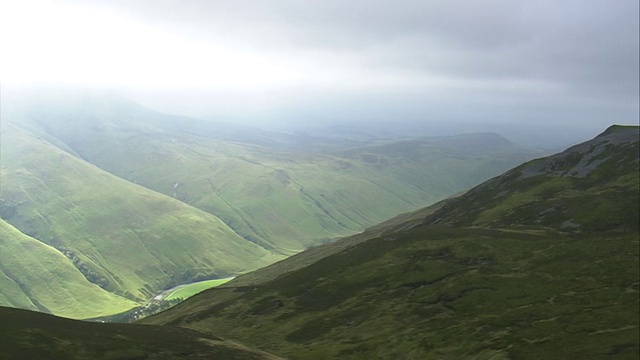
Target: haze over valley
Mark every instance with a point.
(319, 179)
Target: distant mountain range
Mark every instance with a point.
(125, 202)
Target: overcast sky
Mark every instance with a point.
(571, 64)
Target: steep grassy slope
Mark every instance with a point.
(497, 290)
(268, 187)
(121, 236)
(36, 276)
(30, 335)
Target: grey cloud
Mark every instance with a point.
(542, 61)
(549, 40)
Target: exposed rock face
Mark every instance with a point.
(580, 160)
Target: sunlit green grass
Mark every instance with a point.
(188, 291)
(129, 240)
(36, 276)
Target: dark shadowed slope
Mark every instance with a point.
(30, 335)
(495, 289)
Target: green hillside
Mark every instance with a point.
(123, 237)
(139, 201)
(429, 286)
(36, 276)
(283, 192)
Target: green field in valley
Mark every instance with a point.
(187, 291)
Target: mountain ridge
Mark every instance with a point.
(561, 190)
